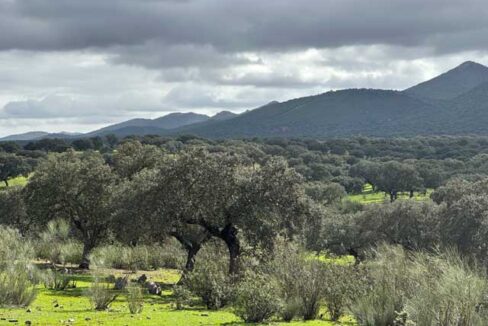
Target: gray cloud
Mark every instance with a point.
(73, 64)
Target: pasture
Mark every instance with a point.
(72, 306)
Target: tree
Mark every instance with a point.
(225, 197)
(395, 177)
(77, 187)
(82, 144)
(12, 166)
(132, 157)
(369, 171)
(325, 193)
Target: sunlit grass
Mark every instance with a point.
(368, 196)
(72, 307)
(19, 181)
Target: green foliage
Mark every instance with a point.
(17, 275)
(449, 292)
(257, 298)
(210, 279)
(57, 245)
(135, 299)
(57, 281)
(342, 285)
(16, 286)
(101, 295)
(390, 286)
(182, 296)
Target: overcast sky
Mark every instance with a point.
(77, 65)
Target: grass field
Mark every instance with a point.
(368, 196)
(72, 307)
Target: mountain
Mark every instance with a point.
(153, 126)
(336, 113)
(451, 84)
(25, 136)
(453, 103)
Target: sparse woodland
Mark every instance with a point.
(160, 230)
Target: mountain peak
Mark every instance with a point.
(453, 83)
(471, 64)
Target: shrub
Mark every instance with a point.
(16, 287)
(257, 298)
(135, 299)
(291, 307)
(101, 295)
(182, 296)
(210, 280)
(300, 280)
(142, 257)
(342, 283)
(17, 275)
(54, 280)
(450, 292)
(390, 285)
(56, 245)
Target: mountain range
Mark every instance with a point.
(453, 103)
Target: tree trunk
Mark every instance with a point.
(392, 197)
(85, 258)
(229, 235)
(6, 182)
(411, 193)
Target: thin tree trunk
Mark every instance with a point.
(411, 193)
(6, 182)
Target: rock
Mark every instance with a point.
(28, 322)
(28, 310)
(153, 288)
(142, 279)
(71, 320)
(87, 318)
(121, 283)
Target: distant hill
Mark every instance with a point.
(136, 126)
(455, 102)
(451, 84)
(25, 136)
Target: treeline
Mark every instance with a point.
(420, 163)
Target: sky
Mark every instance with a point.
(70, 65)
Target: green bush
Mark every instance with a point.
(135, 299)
(17, 274)
(16, 287)
(56, 245)
(449, 292)
(257, 298)
(342, 283)
(300, 281)
(142, 257)
(54, 280)
(390, 285)
(182, 296)
(210, 279)
(101, 295)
